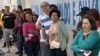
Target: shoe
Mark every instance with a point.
(16, 52)
(3, 46)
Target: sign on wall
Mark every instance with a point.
(69, 9)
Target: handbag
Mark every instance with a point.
(54, 44)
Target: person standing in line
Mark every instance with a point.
(43, 23)
(58, 34)
(19, 39)
(8, 25)
(95, 13)
(81, 14)
(86, 41)
(30, 34)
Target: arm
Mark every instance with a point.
(75, 42)
(44, 36)
(90, 41)
(38, 24)
(65, 31)
(3, 21)
(43, 33)
(25, 30)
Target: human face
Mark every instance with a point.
(28, 17)
(45, 7)
(35, 18)
(19, 10)
(7, 9)
(54, 17)
(18, 16)
(86, 25)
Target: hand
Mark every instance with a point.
(46, 42)
(38, 26)
(86, 51)
(26, 39)
(81, 50)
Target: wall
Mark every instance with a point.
(12, 3)
(1, 4)
(68, 8)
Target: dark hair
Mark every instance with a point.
(3, 10)
(28, 10)
(20, 7)
(94, 13)
(92, 22)
(7, 7)
(55, 11)
(53, 6)
(35, 15)
(28, 13)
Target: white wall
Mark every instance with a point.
(1, 4)
(11, 3)
(68, 8)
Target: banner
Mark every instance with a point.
(69, 9)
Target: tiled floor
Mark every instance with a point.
(12, 52)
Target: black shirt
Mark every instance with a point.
(9, 20)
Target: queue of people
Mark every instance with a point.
(47, 34)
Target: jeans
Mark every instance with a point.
(42, 49)
(58, 52)
(32, 48)
(1, 32)
(20, 42)
(48, 51)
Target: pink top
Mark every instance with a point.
(30, 26)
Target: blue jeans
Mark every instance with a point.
(58, 52)
(42, 49)
(32, 48)
(48, 51)
(20, 42)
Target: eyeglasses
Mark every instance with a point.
(44, 6)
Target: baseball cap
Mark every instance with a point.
(83, 11)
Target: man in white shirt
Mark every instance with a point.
(43, 23)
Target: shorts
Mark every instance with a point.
(7, 33)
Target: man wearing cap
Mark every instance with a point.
(82, 14)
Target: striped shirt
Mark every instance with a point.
(45, 22)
